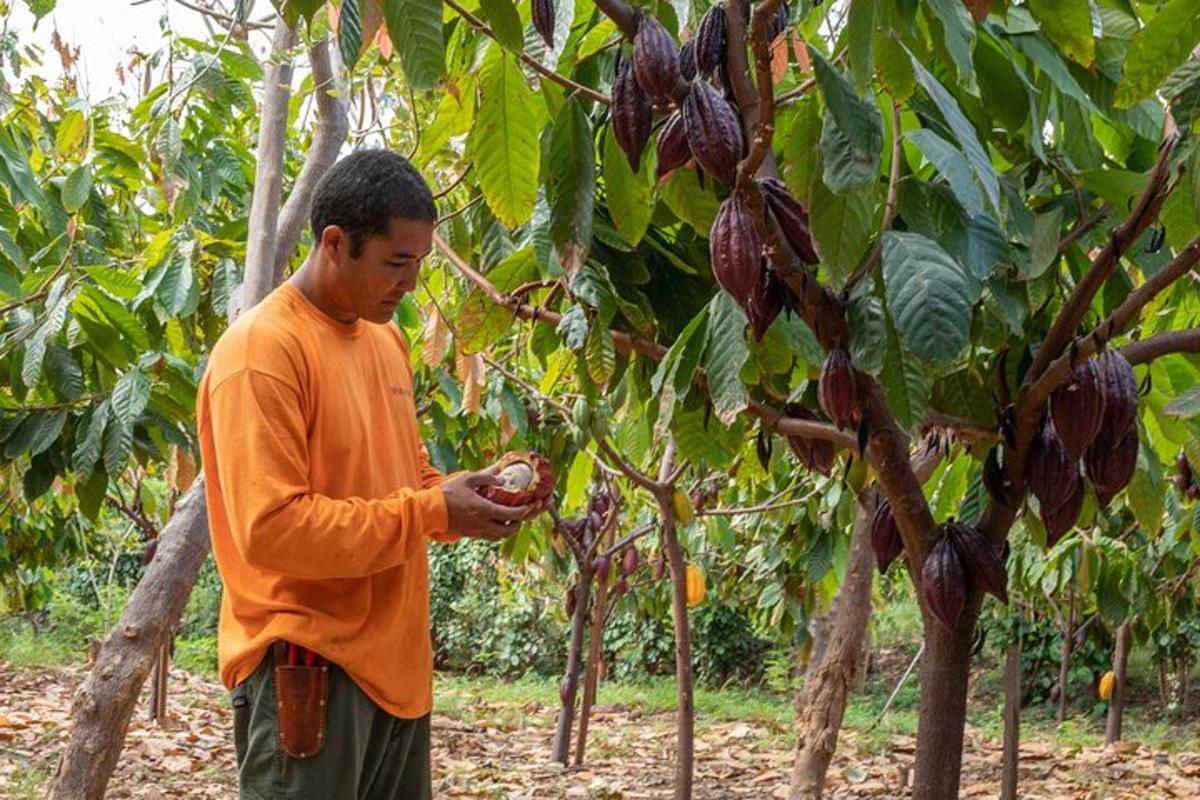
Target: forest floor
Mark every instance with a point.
(491, 740)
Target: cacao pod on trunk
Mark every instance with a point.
(944, 583)
(1111, 468)
(792, 218)
(632, 115)
(1183, 473)
(660, 567)
(673, 149)
(602, 565)
(885, 536)
(710, 41)
(1077, 408)
(980, 557)
(736, 250)
(1062, 518)
(714, 132)
(687, 61)
(655, 59)
(543, 20)
(815, 454)
(836, 389)
(629, 563)
(1119, 388)
(1050, 467)
(571, 601)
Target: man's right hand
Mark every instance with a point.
(471, 514)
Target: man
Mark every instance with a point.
(321, 501)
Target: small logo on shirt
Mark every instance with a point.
(400, 390)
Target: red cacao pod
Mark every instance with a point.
(836, 389)
(1119, 388)
(714, 132)
(710, 41)
(673, 150)
(792, 218)
(601, 566)
(629, 563)
(632, 115)
(1062, 518)
(660, 567)
(621, 586)
(1050, 467)
(1077, 408)
(571, 601)
(885, 536)
(543, 20)
(815, 454)
(980, 557)
(1111, 468)
(526, 479)
(944, 583)
(766, 301)
(655, 59)
(736, 250)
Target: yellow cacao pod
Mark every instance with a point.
(1107, 683)
(683, 508)
(695, 585)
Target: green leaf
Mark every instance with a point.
(1067, 23)
(868, 334)
(962, 129)
(695, 205)
(895, 69)
(76, 189)
(953, 166)
(928, 296)
(959, 30)
(88, 437)
(96, 305)
(48, 430)
(1147, 491)
(904, 382)
(847, 168)
(415, 27)
(115, 281)
(852, 135)
(350, 32)
(601, 356)
(505, 23)
(630, 194)
(178, 290)
(1043, 247)
(727, 352)
(859, 30)
(1185, 405)
(40, 8)
(35, 348)
(90, 492)
(23, 182)
(579, 478)
(841, 226)
(225, 281)
(130, 396)
(1158, 48)
(503, 143)
(571, 188)
(573, 327)
(63, 373)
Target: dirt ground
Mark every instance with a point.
(629, 755)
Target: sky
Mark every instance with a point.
(107, 30)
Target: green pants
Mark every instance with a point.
(368, 754)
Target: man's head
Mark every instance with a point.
(372, 221)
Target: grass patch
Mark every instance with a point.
(28, 783)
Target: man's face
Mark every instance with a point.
(374, 282)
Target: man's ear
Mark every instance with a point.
(333, 238)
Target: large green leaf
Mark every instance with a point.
(959, 30)
(690, 202)
(630, 194)
(962, 129)
(1146, 492)
(859, 30)
(504, 143)
(89, 435)
(600, 354)
(571, 188)
(1185, 405)
(727, 352)
(953, 166)
(63, 373)
(852, 134)
(505, 23)
(35, 348)
(1067, 23)
(1162, 45)
(76, 189)
(350, 31)
(904, 382)
(841, 227)
(415, 27)
(928, 296)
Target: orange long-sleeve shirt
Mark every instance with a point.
(321, 499)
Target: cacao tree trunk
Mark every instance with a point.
(1067, 624)
(1164, 692)
(1012, 721)
(942, 716)
(1184, 674)
(595, 653)
(1116, 705)
(570, 682)
(104, 704)
(827, 686)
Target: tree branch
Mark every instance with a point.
(760, 120)
(333, 123)
(624, 15)
(1160, 344)
(532, 63)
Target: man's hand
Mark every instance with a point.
(471, 514)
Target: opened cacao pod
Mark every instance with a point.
(1077, 408)
(526, 478)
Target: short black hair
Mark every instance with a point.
(363, 192)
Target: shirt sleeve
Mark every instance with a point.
(431, 478)
(277, 522)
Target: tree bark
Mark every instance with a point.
(561, 748)
(595, 653)
(1116, 707)
(1164, 693)
(105, 702)
(1012, 721)
(1067, 625)
(828, 687)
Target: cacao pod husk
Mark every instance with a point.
(673, 149)
(944, 583)
(1119, 388)
(564, 691)
(766, 301)
(695, 585)
(710, 41)
(527, 479)
(1077, 408)
(1183, 473)
(1050, 467)
(792, 218)
(655, 59)
(571, 601)
(687, 61)
(543, 20)
(980, 557)
(1062, 518)
(621, 586)
(632, 115)
(779, 22)
(736, 250)
(836, 389)
(815, 454)
(714, 132)
(1108, 682)
(1111, 468)
(885, 536)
